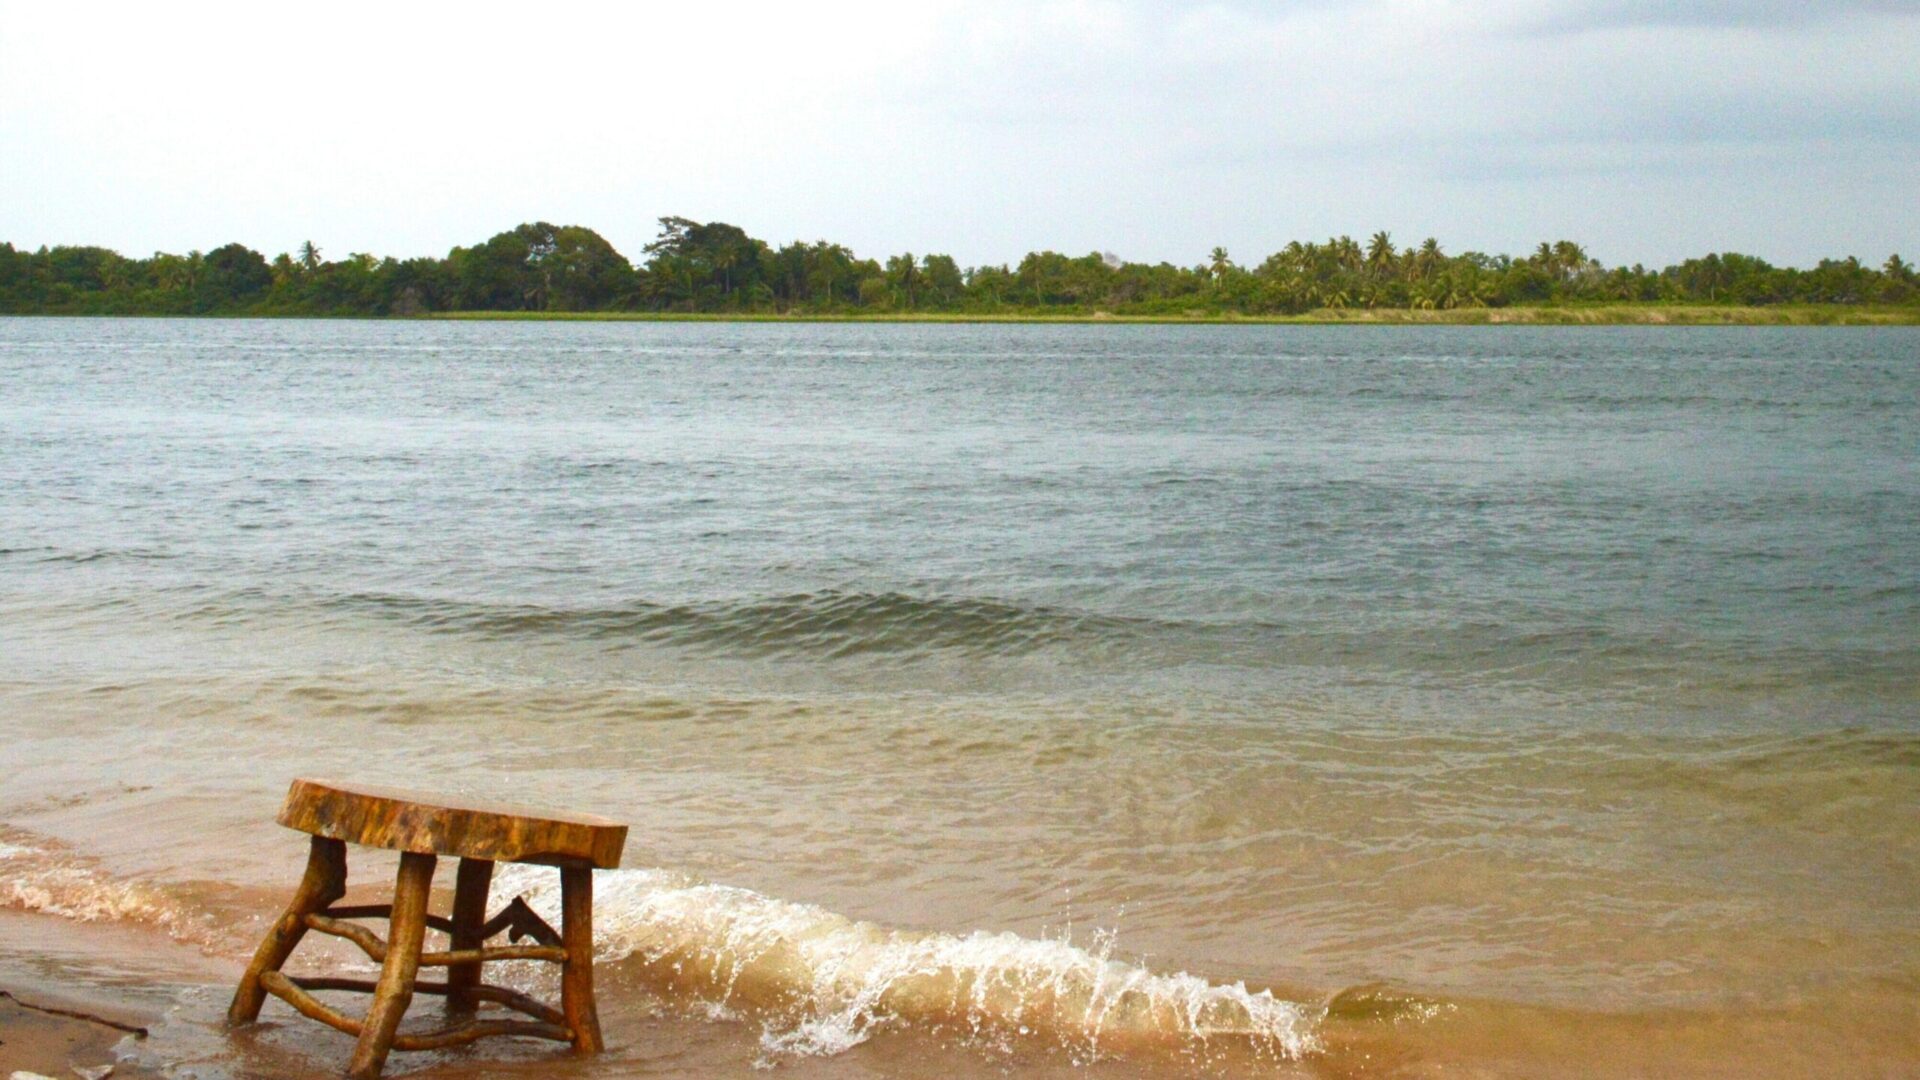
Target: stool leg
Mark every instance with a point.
(325, 882)
(469, 915)
(405, 933)
(576, 980)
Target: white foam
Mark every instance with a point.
(49, 883)
(823, 983)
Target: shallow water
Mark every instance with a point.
(1118, 700)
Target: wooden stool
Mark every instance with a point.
(422, 827)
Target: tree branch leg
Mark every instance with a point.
(405, 935)
(325, 882)
(576, 981)
(469, 920)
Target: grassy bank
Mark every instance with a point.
(1571, 315)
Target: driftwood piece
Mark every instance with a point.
(91, 1018)
(433, 825)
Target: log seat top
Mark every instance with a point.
(428, 824)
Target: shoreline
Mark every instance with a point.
(84, 1010)
(1603, 315)
(1681, 315)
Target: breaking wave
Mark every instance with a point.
(818, 983)
(49, 881)
(821, 983)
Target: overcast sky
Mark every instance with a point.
(1648, 130)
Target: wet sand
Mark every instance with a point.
(130, 976)
(35, 1040)
(54, 1020)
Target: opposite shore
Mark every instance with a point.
(1603, 315)
(1575, 315)
(716, 270)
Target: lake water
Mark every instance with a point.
(1078, 700)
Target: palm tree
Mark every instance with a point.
(309, 256)
(1429, 257)
(1346, 251)
(1380, 254)
(1218, 263)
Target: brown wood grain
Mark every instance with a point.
(436, 825)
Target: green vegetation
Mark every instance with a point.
(716, 270)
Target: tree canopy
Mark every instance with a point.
(715, 267)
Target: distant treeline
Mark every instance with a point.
(717, 268)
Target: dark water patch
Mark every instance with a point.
(98, 555)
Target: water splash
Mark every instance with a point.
(50, 882)
(822, 983)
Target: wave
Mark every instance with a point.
(1258, 638)
(818, 982)
(49, 554)
(830, 623)
(822, 983)
(47, 880)
(839, 625)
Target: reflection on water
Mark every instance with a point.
(1435, 697)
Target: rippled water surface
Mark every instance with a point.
(1081, 699)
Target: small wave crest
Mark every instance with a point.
(822, 983)
(48, 881)
(829, 623)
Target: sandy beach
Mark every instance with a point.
(55, 1020)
